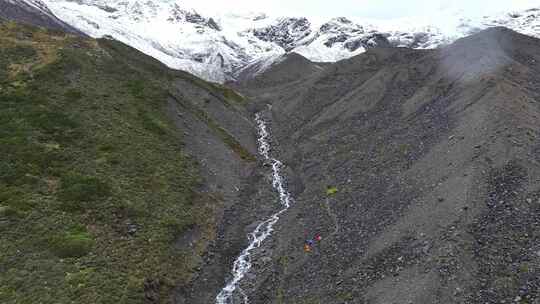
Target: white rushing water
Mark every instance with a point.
(242, 264)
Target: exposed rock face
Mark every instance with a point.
(339, 30)
(213, 24)
(418, 169)
(287, 33)
(180, 15)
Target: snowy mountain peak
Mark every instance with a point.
(220, 48)
(341, 24)
(180, 15)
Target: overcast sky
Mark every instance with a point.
(372, 9)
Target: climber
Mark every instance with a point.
(308, 245)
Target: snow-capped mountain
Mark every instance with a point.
(217, 48)
(180, 37)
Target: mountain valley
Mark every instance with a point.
(288, 163)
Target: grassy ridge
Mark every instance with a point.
(94, 187)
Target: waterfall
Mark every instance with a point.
(242, 264)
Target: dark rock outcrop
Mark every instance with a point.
(286, 33)
(33, 12)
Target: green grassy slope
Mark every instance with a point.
(94, 187)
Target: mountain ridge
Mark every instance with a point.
(34, 12)
(217, 48)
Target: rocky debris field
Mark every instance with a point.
(418, 169)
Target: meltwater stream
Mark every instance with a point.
(242, 264)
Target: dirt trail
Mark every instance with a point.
(334, 217)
